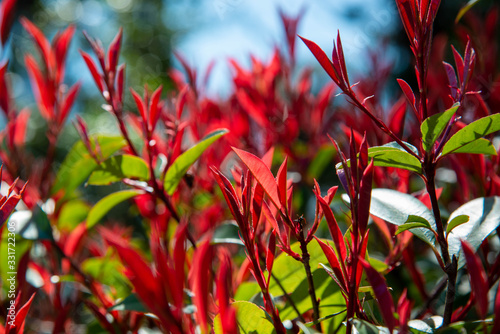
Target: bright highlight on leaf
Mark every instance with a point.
(181, 165)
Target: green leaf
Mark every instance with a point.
(108, 270)
(433, 126)
(181, 165)
(322, 159)
(413, 222)
(78, 164)
(395, 207)
(484, 218)
(459, 327)
(475, 130)
(392, 155)
(32, 225)
(250, 318)
(479, 146)
(364, 327)
(130, 303)
(456, 221)
(72, 213)
(246, 291)
(107, 203)
(118, 168)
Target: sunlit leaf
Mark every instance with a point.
(250, 318)
(181, 165)
(433, 126)
(107, 203)
(472, 132)
(118, 168)
(479, 146)
(456, 221)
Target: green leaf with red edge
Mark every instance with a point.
(107, 203)
(433, 126)
(384, 298)
(471, 133)
(184, 161)
(478, 280)
(262, 174)
(118, 168)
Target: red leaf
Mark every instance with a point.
(69, 100)
(42, 93)
(42, 43)
(20, 316)
(459, 62)
(270, 253)
(407, 91)
(227, 313)
(281, 179)
(120, 81)
(478, 279)
(154, 111)
(6, 19)
(333, 226)
(334, 264)
(496, 317)
(141, 106)
(61, 43)
(8, 204)
(397, 117)
(93, 70)
(262, 174)
(114, 51)
(202, 260)
(384, 298)
(365, 191)
(323, 60)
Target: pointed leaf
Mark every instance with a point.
(484, 218)
(456, 221)
(181, 165)
(118, 168)
(250, 318)
(262, 174)
(472, 132)
(478, 279)
(433, 126)
(409, 226)
(107, 203)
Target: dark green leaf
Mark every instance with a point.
(456, 221)
(130, 303)
(227, 234)
(433, 126)
(181, 165)
(107, 203)
(118, 168)
(475, 130)
(78, 164)
(484, 218)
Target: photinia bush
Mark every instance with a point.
(221, 215)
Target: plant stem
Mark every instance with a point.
(306, 257)
(451, 267)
